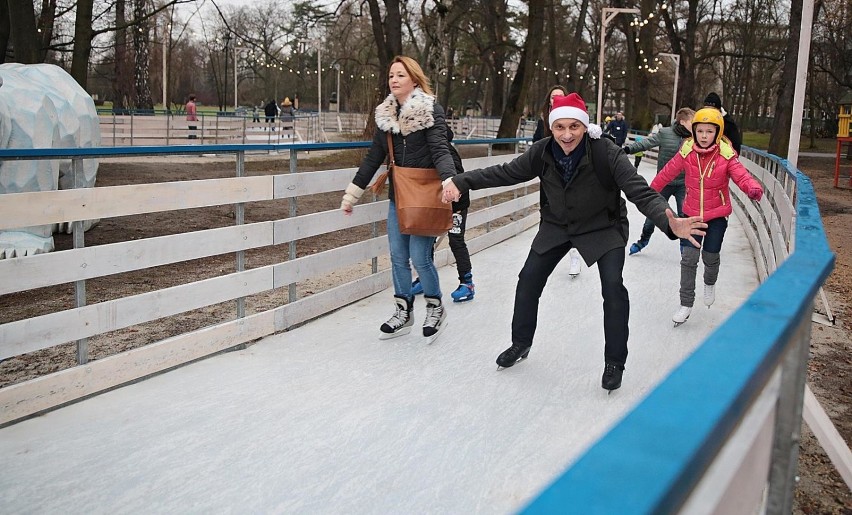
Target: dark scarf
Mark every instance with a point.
(567, 164)
(681, 131)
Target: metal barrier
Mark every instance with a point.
(721, 433)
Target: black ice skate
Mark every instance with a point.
(401, 322)
(611, 379)
(436, 319)
(514, 354)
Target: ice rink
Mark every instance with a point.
(328, 419)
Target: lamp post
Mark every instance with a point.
(235, 78)
(165, 40)
(225, 81)
(606, 16)
(338, 72)
(676, 59)
(318, 46)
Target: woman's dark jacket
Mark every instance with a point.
(419, 134)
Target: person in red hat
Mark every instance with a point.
(582, 177)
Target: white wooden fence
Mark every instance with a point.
(80, 264)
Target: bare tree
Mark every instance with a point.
(523, 77)
(779, 139)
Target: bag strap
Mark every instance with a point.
(379, 186)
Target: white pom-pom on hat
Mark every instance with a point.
(594, 131)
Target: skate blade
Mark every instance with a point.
(464, 299)
(574, 276)
(430, 339)
(676, 324)
(390, 336)
(499, 368)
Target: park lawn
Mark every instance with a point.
(760, 140)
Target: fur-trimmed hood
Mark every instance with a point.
(416, 113)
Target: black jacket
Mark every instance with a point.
(576, 211)
(419, 135)
(732, 132)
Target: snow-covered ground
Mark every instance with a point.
(327, 418)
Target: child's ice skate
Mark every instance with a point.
(709, 295)
(465, 291)
(681, 315)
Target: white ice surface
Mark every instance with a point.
(328, 419)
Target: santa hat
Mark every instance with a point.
(572, 106)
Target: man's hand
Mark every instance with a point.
(686, 228)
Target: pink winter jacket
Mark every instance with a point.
(707, 196)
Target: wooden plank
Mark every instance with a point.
(309, 183)
(31, 334)
(95, 203)
(291, 229)
(41, 270)
(324, 302)
(735, 481)
(828, 436)
(319, 264)
(47, 392)
(754, 241)
(503, 209)
(786, 210)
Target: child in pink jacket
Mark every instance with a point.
(709, 161)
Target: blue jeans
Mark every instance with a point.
(669, 190)
(712, 239)
(407, 250)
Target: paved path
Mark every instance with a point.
(328, 419)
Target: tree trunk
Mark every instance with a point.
(24, 32)
(122, 82)
(779, 139)
(5, 29)
(141, 42)
(573, 84)
(387, 34)
(46, 22)
(82, 42)
(523, 77)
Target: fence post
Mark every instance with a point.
(292, 244)
(788, 421)
(239, 219)
(132, 131)
(79, 242)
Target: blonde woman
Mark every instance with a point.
(418, 129)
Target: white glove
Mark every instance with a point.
(351, 197)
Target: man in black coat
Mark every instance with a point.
(577, 210)
(732, 131)
(618, 128)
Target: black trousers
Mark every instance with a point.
(616, 303)
(458, 245)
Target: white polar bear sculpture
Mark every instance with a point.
(42, 106)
